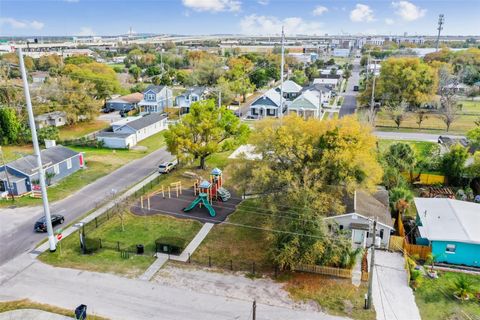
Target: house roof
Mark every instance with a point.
(145, 121)
(291, 86)
(11, 176)
(194, 90)
(108, 134)
(320, 87)
(39, 74)
(329, 76)
(374, 205)
(50, 156)
(271, 94)
(155, 89)
(307, 100)
(51, 115)
(446, 219)
(135, 97)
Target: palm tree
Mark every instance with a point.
(462, 286)
(400, 200)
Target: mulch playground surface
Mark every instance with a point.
(174, 207)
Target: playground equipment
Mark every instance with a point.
(207, 191)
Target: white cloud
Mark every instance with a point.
(319, 10)
(263, 2)
(212, 5)
(22, 24)
(408, 11)
(86, 31)
(389, 21)
(255, 24)
(361, 13)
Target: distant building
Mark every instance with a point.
(129, 131)
(156, 99)
(128, 102)
(39, 76)
(51, 119)
(337, 52)
(328, 79)
(452, 229)
(22, 173)
(191, 95)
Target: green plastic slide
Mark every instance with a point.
(203, 198)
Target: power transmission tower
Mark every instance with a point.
(441, 21)
(41, 172)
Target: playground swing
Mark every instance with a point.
(207, 191)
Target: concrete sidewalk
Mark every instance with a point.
(183, 257)
(120, 298)
(32, 314)
(392, 297)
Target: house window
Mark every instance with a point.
(381, 233)
(340, 227)
(69, 163)
(450, 248)
(56, 169)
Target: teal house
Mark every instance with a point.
(451, 228)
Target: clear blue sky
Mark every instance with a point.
(111, 17)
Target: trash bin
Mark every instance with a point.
(140, 249)
(81, 312)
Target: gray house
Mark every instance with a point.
(51, 119)
(267, 105)
(128, 102)
(192, 94)
(156, 99)
(59, 162)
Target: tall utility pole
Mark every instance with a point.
(441, 20)
(372, 265)
(254, 310)
(372, 101)
(280, 114)
(36, 149)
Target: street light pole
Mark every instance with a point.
(280, 114)
(372, 101)
(372, 265)
(36, 148)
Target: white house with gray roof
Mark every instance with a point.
(21, 176)
(268, 105)
(191, 95)
(156, 99)
(128, 132)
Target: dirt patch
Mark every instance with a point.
(232, 285)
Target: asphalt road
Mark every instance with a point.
(349, 104)
(16, 225)
(412, 136)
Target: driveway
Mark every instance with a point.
(349, 104)
(392, 297)
(16, 225)
(121, 298)
(412, 136)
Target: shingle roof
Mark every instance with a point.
(446, 219)
(291, 86)
(320, 87)
(145, 121)
(51, 115)
(196, 90)
(307, 100)
(50, 156)
(374, 206)
(135, 97)
(155, 89)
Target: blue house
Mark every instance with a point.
(22, 174)
(190, 96)
(268, 105)
(156, 99)
(451, 228)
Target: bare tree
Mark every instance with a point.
(421, 115)
(397, 112)
(448, 98)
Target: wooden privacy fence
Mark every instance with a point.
(425, 178)
(328, 271)
(398, 243)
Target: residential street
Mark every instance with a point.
(350, 97)
(121, 298)
(412, 136)
(16, 225)
(392, 297)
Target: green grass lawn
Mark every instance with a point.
(435, 299)
(242, 245)
(470, 106)
(81, 129)
(138, 230)
(27, 304)
(422, 148)
(99, 162)
(336, 296)
(433, 124)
